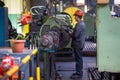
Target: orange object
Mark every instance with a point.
(14, 77)
(103, 1)
(26, 18)
(79, 13)
(17, 45)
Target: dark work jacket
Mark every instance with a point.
(79, 34)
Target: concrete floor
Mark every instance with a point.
(65, 69)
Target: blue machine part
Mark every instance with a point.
(50, 50)
(3, 26)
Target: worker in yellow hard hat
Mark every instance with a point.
(78, 41)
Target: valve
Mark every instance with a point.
(6, 64)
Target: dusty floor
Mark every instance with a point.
(65, 69)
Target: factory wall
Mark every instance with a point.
(15, 9)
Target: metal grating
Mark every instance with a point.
(90, 46)
(94, 74)
(89, 49)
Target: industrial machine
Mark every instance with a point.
(108, 66)
(53, 28)
(54, 36)
(108, 40)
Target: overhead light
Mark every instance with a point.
(116, 1)
(80, 2)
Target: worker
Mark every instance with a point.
(78, 40)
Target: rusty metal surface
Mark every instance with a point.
(49, 39)
(54, 33)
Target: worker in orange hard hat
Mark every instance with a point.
(78, 41)
(79, 13)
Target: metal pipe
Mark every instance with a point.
(61, 6)
(46, 68)
(12, 71)
(30, 70)
(26, 59)
(19, 75)
(38, 75)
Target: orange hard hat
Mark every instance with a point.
(79, 13)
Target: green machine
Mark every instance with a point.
(90, 20)
(90, 26)
(54, 35)
(108, 37)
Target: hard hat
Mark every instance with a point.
(79, 13)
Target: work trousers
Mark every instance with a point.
(78, 60)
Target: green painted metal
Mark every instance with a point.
(51, 22)
(90, 24)
(108, 40)
(55, 23)
(46, 66)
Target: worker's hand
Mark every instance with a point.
(71, 32)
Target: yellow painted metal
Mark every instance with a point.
(71, 10)
(30, 78)
(38, 73)
(12, 70)
(34, 51)
(26, 59)
(25, 28)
